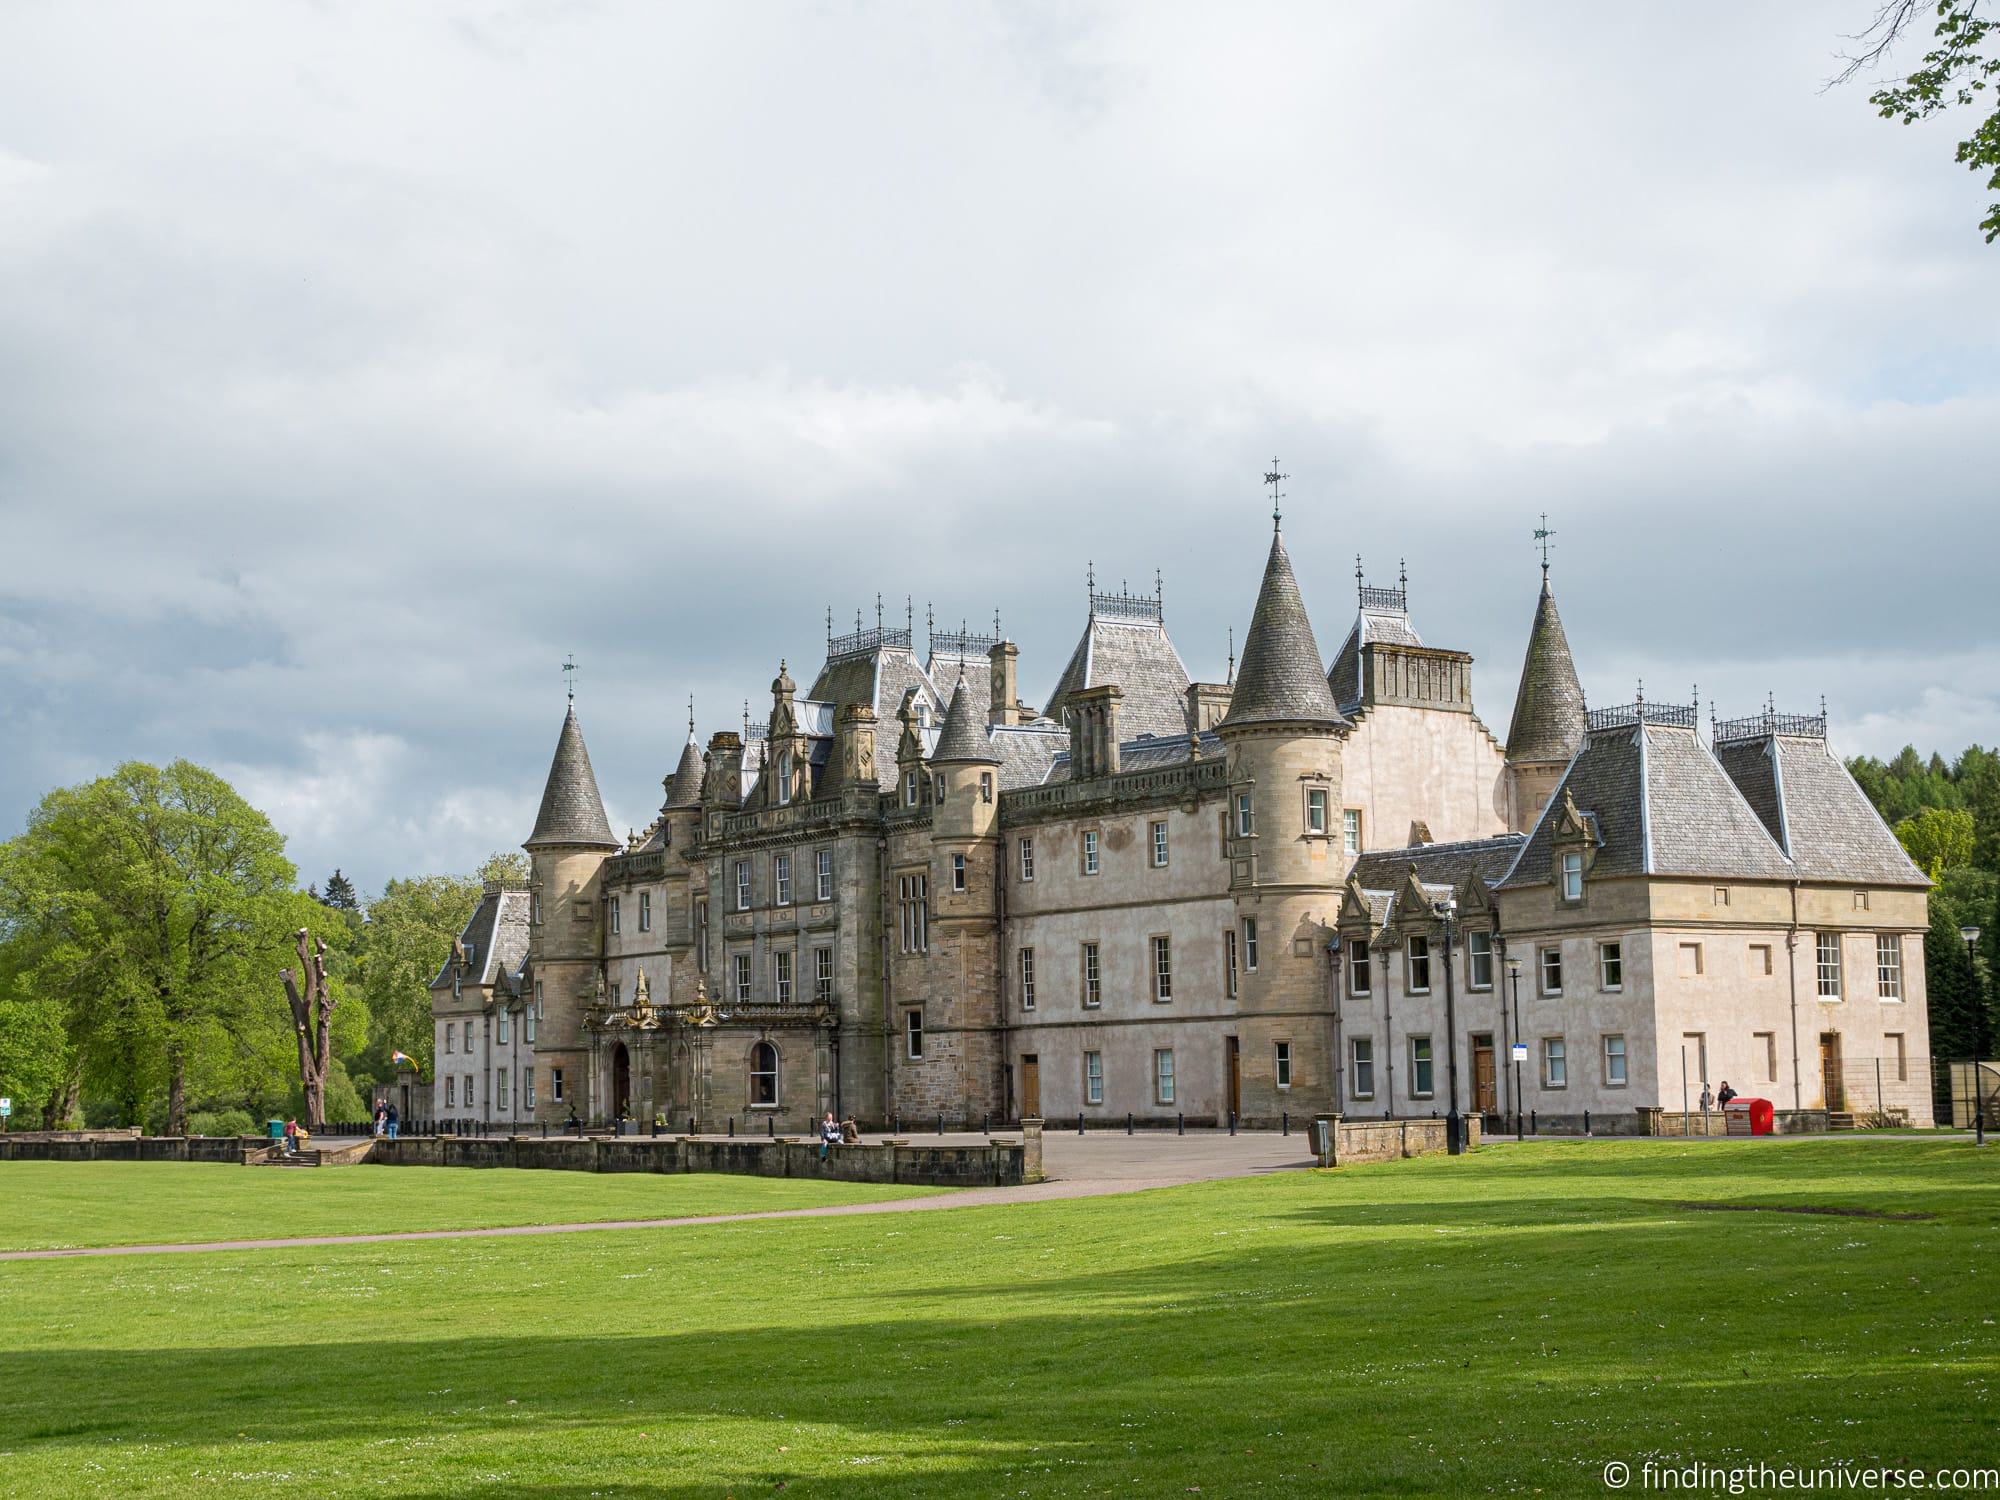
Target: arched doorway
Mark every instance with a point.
(621, 1082)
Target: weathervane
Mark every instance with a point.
(569, 677)
(1273, 479)
(1542, 535)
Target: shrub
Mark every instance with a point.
(221, 1122)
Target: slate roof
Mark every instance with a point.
(1370, 625)
(945, 668)
(1139, 657)
(684, 786)
(1818, 815)
(496, 936)
(1450, 865)
(1661, 804)
(1027, 752)
(1147, 753)
(572, 811)
(1282, 677)
(963, 737)
(1548, 707)
(879, 679)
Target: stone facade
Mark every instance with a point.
(907, 894)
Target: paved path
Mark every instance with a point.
(1076, 1166)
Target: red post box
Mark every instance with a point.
(1750, 1116)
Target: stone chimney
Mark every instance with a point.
(723, 786)
(854, 745)
(1093, 734)
(1207, 702)
(1005, 658)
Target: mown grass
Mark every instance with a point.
(1504, 1323)
(58, 1205)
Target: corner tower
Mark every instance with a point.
(1547, 728)
(567, 850)
(1282, 735)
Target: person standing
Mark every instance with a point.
(389, 1121)
(381, 1119)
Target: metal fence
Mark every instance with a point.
(1879, 1092)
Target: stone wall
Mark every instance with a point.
(1389, 1140)
(126, 1146)
(996, 1164)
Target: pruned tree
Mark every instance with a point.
(312, 1001)
(1960, 71)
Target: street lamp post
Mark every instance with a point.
(1518, 1046)
(1971, 936)
(1454, 1123)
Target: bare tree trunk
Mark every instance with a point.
(176, 1088)
(312, 1021)
(62, 1105)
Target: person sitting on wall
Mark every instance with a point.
(850, 1133)
(1707, 1099)
(829, 1135)
(1724, 1094)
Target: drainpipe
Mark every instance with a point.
(1506, 1052)
(1388, 1042)
(1339, 1044)
(1004, 1083)
(1792, 983)
(888, 1010)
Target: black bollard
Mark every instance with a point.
(732, 1127)
(940, 1122)
(690, 1124)
(1128, 1122)
(1232, 1122)
(771, 1127)
(1534, 1122)
(986, 1123)
(896, 1123)
(1180, 1123)
(1079, 1122)
(1586, 1122)
(1284, 1122)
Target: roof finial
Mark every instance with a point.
(1403, 577)
(878, 611)
(690, 715)
(746, 721)
(1273, 478)
(996, 620)
(569, 677)
(1642, 695)
(1542, 534)
(829, 629)
(930, 623)
(910, 619)
(1159, 591)
(1230, 680)
(1090, 576)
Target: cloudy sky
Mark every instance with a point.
(358, 363)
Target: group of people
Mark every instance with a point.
(837, 1133)
(1717, 1100)
(385, 1120)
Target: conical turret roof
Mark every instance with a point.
(572, 814)
(1548, 708)
(1282, 678)
(684, 786)
(963, 737)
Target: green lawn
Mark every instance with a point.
(1504, 1323)
(55, 1205)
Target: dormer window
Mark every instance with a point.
(784, 773)
(1572, 875)
(909, 789)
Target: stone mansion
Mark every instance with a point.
(1317, 887)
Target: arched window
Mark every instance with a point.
(784, 777)
(764, 1075)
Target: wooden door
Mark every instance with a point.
(1485, 1098)
(1829, 1071)
(1031, 1086)
(1234, 1079)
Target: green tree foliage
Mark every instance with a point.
(505, 867)
(144, 916)
(1961, 1021)
(1938, 839)
(1904, 788)
(1960, 71)
(340, 893)
(406, 941)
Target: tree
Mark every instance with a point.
(408, 937)
(1960, 1024)
(340, 893)
(312, 1020)
(1938, 839)
(511, 866)
(144, 905)
(1961, 66)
